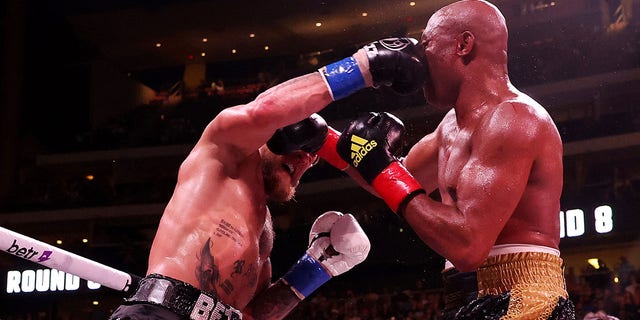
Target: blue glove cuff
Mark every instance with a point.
(306, 275)
(343, 77)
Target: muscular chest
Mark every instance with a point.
(453, 156)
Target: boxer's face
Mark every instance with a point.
(439, 49)
(282, 173)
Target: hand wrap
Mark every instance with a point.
(343, 78)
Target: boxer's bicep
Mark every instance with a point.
(247, 127)
(234, 130)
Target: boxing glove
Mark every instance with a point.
(311, 135)
(336, 244)
(307, 135)
(370, 144)
(395, 62)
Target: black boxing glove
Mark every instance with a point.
(311, 135)
(308, 135)
(397, 63)
(370, 144)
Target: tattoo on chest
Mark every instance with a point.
(226, 229)
(237, 267)
(208, 273)
(248, 274)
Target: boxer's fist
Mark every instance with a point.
(371, 142)
(338, 242)
(398, 63)
(307, 135)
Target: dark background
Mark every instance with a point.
(86, 92)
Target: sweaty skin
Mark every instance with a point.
(216, 232)
(496, 157)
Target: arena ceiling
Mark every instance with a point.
(142, 34)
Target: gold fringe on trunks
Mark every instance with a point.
(535, 280)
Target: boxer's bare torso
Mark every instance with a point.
(533, 220)
(498, 170)
(216, 232)
(496, 157)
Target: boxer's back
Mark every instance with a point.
(535, 219)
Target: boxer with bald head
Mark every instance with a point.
(210, 256)
(496, 160)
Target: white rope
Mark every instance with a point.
(53, 257)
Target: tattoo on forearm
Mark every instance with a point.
(207, 272)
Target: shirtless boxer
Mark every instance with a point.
(210, 256)
(496, 160)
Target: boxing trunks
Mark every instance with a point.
(459, 289)
(511, 284)
(163, 298)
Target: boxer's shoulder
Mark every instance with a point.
(516, 119)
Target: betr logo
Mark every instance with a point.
(25, 253)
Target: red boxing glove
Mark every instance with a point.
(329, 153)
(396, 186)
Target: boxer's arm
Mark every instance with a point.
(272, 300)
(244, 128)
(336, 244)
(397, 63)
(276, 302)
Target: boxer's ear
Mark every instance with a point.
(464, 43)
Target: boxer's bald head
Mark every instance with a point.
(480, 18)
(464, 40)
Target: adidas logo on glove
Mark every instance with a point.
(359, 149)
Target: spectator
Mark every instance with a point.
(632, 297)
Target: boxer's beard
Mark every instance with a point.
(277, 189)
